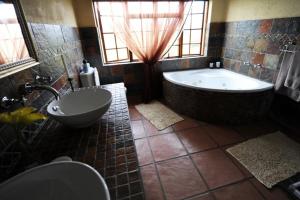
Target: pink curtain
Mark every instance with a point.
(148, 28)
(12, 44)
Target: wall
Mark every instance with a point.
(84, 13)
(238, 10)
(49, 12)
(257, 42)
(218, 8)
(53, 33)
(254, 31)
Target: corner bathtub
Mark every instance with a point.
(217, 95)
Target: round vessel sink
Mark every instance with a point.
(63, 180)
(80, 108)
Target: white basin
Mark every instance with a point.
(80, 108)
(63, 180)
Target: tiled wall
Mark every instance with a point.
(256, 42)
(131, 74)
(50, 41)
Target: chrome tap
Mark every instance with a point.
(8, 102)
(29, 87)
(39, 84)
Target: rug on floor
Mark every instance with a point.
(158, 114)
(270, 158)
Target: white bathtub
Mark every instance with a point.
(217, 80)
(217, 95)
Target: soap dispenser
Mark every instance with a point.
(85, 66)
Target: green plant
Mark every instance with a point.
(18, 120)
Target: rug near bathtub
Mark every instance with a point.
(158, 114)
(271, 158)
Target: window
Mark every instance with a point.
(190, 42)
(15, 48)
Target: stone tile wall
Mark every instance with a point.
(256, 42)
(49, 41)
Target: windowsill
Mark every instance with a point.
(162, 60)
(16, 69)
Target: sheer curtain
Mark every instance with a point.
(148, 28)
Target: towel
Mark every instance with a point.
(288, 79)
(293, 76)
(96, 77)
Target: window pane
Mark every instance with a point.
(195, 36)
(104, 8)
(168, 7)
(12, 44)
(146, 7)
(186, 37)
(106, 25)
(198, 7)
(120, 43)
(123, 54)
(197, 21)
(185, 49)
(135, 24)
(174, 51)
(134, 57)
(195, 49)
(109, 40)
(177, 41)
(111, 55)
(147, 24)
(133, 7)
(187, 24)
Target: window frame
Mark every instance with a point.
(130, 60)
(14, 67)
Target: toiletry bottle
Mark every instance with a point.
(85, 67)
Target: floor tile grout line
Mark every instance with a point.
(160, 161)
(156, 171)
(193, 163)
(257, 189)
(199, 194)
(153, 163)
(211, 191)
(231, 158)
(158, 131)
(138, 167)
(201, 151)
(171, 132)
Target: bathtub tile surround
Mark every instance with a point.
(256, 42)
(204, 162)
(107, 146)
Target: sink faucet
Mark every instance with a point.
(30, 87)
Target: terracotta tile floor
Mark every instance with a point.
(189, 161)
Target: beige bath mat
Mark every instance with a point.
(158, 114)
(271, 158)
